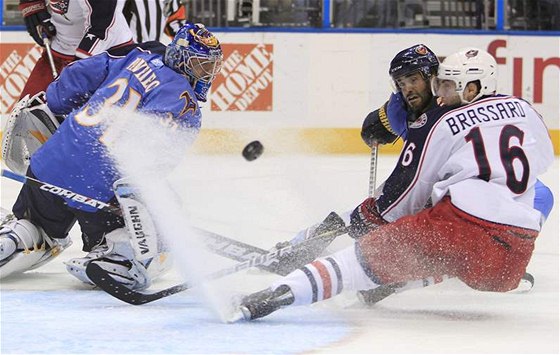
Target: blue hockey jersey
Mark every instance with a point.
(74, 157)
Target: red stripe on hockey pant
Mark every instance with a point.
(325, 278)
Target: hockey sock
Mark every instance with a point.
(326, 277)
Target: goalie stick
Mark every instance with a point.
(116, 289)
(59, 191)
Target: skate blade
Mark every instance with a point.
(239, 315)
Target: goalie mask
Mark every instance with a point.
(463, 67)
(196, 53)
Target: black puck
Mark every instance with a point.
(253, 150)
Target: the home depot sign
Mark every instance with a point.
(16, 62)
(245, 82)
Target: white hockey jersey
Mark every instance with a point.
(88, 27)
(486, 156)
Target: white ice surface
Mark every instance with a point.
(262, 202)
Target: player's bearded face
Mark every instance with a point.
(415, 90)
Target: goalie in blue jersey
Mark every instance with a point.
(164, 82)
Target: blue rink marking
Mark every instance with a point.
(88, 321)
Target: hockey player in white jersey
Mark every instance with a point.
(82, 28)
(392, 120)
(75, 29)
(478, 163)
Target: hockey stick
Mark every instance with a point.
(219, 244)
(383, 291)
(47, 42)
(372, 171)
(116, 289)
(236, 250)
(59, 191)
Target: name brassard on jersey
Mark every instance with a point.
(488, 112)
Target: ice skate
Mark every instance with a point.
(371, 297)
(262, 303)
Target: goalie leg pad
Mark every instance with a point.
(143, 235)
(23, 246)
(118, 258)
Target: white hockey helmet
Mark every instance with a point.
(467, 65)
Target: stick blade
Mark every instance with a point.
(103, 280)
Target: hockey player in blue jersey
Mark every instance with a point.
(166, 86)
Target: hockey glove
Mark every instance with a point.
(376, 129)
(30, 124)
(364, 219)
(37, 20)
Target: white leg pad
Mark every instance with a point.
(118, 258)
(23, 247)
(142, 231)
(353, 275)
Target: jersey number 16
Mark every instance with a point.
(508, 155)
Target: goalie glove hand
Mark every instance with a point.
(30, 124)
(364, 219)
(37, 20)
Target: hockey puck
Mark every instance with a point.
(253, 150)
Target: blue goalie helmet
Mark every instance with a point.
(416, 58)
(196, 53)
